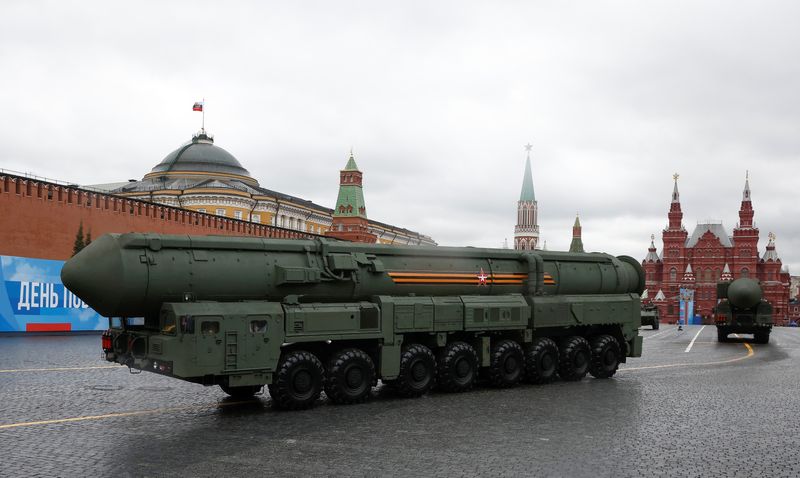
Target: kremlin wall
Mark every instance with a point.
(198, 189)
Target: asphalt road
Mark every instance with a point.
(689, 407)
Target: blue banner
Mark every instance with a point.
(33, 299)
(687, 306)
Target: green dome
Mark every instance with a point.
(200, 155)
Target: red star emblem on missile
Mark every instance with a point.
(482, 277)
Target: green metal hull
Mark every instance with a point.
(238, 311)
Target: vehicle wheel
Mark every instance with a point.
(351, 374)
(506, 364)
(605, 356)
(457, 367)
(541, 361)
(417, 372)
(574, 358)
(722, 335)
(245, 391)
(655, 326)
(761, 337)
(298, 382)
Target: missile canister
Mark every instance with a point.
(303, 315)
(741, 309)
(744, 293)
(131, 275)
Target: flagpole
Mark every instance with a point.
(203, 127)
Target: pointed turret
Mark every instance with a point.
(652, 256)
(746, 209)
(350, 214)
(675, 214)
(726, 274)
(770, 255)
(527, 193)
(745, 237)
(660, 297)
(688, 276)
(526, 233)
(577, 243)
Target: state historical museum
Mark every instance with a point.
(709, 255)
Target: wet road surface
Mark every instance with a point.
(690, 406)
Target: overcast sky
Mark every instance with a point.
(436, 99)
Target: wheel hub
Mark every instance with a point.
(419, 371)
(354, 377)
(302, 381)
(510, 365)
(462, 368)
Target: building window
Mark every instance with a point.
(256, 218)
(237, 214)
(745, 272)
(673, 274)
(220, 212)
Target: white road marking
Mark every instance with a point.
(689, 347)
(655, 335)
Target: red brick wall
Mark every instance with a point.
(40, 219)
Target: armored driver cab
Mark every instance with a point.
(303, 316)
(742, 309)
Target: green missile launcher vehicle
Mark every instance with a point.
(650, 316)
(742, 309)
(306, 316)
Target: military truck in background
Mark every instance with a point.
(306, 316)
(742, 310)
(650, 316)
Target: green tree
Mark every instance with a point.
(88, 238)
(79, 242)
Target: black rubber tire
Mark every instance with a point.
(457, 367)
(298, 382)
(655, 326)
(417, 372)
(574, 358)
(605, 356)
(761, 337)
(541, 361)
(722, 335)
(350, 376)
(506, 364)
(241, 392)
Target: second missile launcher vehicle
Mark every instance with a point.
(742, 309)
(306, 316)
(650, 316)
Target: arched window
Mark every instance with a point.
(673, 274)
(707, 274)
(745, 272)
(716, 275)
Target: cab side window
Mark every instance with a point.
(209, 328)
(258, 326)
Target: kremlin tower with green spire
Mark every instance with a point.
(350, 213)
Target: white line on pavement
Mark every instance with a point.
(655, 335)
(689, 347)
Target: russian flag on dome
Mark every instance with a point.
(198, 106)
